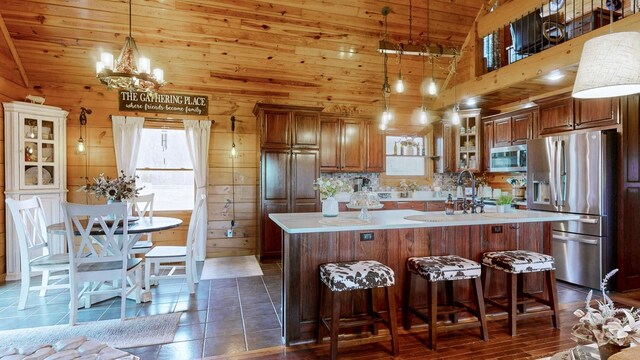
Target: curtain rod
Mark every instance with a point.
(169, 120)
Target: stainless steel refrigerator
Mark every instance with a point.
(576, 174)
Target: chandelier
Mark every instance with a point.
(126, 73)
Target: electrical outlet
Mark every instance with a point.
(368, 236)
(230, 233)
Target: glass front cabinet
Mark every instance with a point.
(35, 164)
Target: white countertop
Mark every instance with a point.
(298, 223)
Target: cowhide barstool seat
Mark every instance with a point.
(437, 269)
(349, 276)
(516, 263)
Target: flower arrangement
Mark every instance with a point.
(606, 324)
(411, 185)
(121, 188)
(329, 187)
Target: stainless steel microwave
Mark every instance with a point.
(508, 159)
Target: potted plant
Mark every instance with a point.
(503, 202)
(611, 328)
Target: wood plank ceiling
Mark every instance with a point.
(285, 51)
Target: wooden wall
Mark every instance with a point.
(11, 88)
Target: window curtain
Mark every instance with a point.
(127, 132)
(198, 134)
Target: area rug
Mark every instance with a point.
(231, 267)
(133, 332)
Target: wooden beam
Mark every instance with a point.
(557, 57)
(14, 53)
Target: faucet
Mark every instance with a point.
(474, 203)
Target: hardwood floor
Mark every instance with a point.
(536, 339)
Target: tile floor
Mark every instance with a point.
(224, 316)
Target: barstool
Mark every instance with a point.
(356, 275)
(444, 268)
(516, 263)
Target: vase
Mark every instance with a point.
(501, 208)
(609, 349)
(330, 207)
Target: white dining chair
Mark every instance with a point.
(174, 256)
(99, 255)
(142, 205)
(31, 228)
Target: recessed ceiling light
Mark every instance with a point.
(555, 75)
(471, 102)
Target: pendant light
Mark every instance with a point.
(609, 65)
(400, 81)
(234, 152)
(129, 71)
(455, 115)
(433, 90)
(386, 87)
(80, 147)
(422, 117)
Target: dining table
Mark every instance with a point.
(137, 226)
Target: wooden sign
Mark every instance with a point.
(181, 104)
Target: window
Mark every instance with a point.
(405, 155)
(164, 167)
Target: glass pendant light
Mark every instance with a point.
(234, 152)
(400, 82)
(80, 146)
(432, 84)
(422, 117)
(455, 115)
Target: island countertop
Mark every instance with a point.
(301, 223)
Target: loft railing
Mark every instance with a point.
(554, 22)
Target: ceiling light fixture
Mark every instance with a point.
(423, 117)
(400, 82)
(609, 66)
(234, 151)
(455, 115)
(555, 75)
(386, 87)
(83, 121)
(129, 71)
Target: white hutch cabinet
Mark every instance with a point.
(35, 164)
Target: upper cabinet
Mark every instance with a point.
(375, 147)
(444, 146)
(468, 154)
(285, 127)
(563, 113)
(513, 128)
(350, 144)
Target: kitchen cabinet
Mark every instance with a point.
(502, 132)
(435, 206)
(487, 143)
(590, 113)
(375, 148)
(555, 114)
(342, 144)
(35, 153)
(467, 147)
(289, 163)
(283, 127)
(563, 113)
(444, 147)
(412, 205)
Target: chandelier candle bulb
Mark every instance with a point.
(158, 74)
(107, 61)
(144, 65)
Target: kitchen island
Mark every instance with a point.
(390, 237)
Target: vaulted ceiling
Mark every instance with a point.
(320, 53)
